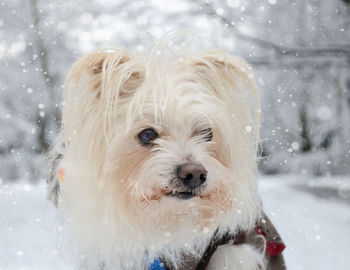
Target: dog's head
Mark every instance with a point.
(160, 145)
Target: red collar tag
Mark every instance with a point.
(273, 248)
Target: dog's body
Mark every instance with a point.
(160, 155)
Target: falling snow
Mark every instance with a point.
(299, 51)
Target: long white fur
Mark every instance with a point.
(230, 257)
(112, 197)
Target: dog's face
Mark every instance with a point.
(160, 147)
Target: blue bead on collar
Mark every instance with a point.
(157, 264)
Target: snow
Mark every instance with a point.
(312, 218)
(312, 215)
(27, 219)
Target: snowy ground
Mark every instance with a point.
(313, 216)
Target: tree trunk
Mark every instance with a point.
(52, 111)
(306, 144)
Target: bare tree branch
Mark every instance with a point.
(341, 50)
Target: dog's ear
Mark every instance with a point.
(96, 87)
(220, 68)
(97, 72)
(232, 81)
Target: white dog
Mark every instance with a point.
(160, 162)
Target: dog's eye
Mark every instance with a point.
(147, 136)
(207, 134)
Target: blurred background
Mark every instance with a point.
(300, 52)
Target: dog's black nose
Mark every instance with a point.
(192, 174)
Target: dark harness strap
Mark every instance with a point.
(215, 242)
(273, 244)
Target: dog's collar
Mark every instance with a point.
(273, 248)
(216, 241)
(227, 238)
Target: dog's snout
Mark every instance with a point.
(192, 175)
